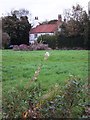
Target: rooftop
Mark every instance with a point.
(44, 28)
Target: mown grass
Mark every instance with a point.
(18, 67)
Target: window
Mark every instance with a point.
(35, 35)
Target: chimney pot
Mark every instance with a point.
(59, 18)
(36, 18)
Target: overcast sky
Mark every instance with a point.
(44, 9)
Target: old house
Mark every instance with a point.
(42, 29)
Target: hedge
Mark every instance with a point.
(61, 42)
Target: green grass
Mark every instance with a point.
(19, 67)
(0, 84)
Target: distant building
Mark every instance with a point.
(44, 29)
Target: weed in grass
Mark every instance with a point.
(68, 103)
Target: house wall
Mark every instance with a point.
(34, 37)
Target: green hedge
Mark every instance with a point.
(59, 41)
(71, 42)
(51, 40)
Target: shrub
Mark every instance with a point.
(69, 103)
(38, 46)
(56, 103)
(64, 42)
(5, 40)
(51, 40)
(17, 101)
(71, 42)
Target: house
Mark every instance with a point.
(43, 29)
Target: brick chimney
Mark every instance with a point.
(59, 18)
(36, 18)
(59, 22)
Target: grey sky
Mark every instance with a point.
(44, 9)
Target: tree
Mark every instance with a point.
(76, 23)
(17, 26)
(19, 13)
(77, 20)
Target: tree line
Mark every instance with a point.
(75, 29)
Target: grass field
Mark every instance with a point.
(18, 67)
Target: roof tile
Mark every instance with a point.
(45, 28)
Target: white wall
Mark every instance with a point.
(32, 37)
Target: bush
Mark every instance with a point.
(63, 42)
(5, 40)
(51, 40)
(67, 102)
(71, 42)
(35, 46)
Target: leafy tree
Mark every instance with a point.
(17, 26)
(76, 23)
(77, 20)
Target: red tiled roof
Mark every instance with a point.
(45, 28)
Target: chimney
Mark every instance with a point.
(59, 18)
(36, 21)
(36, 18)
(59, 22)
